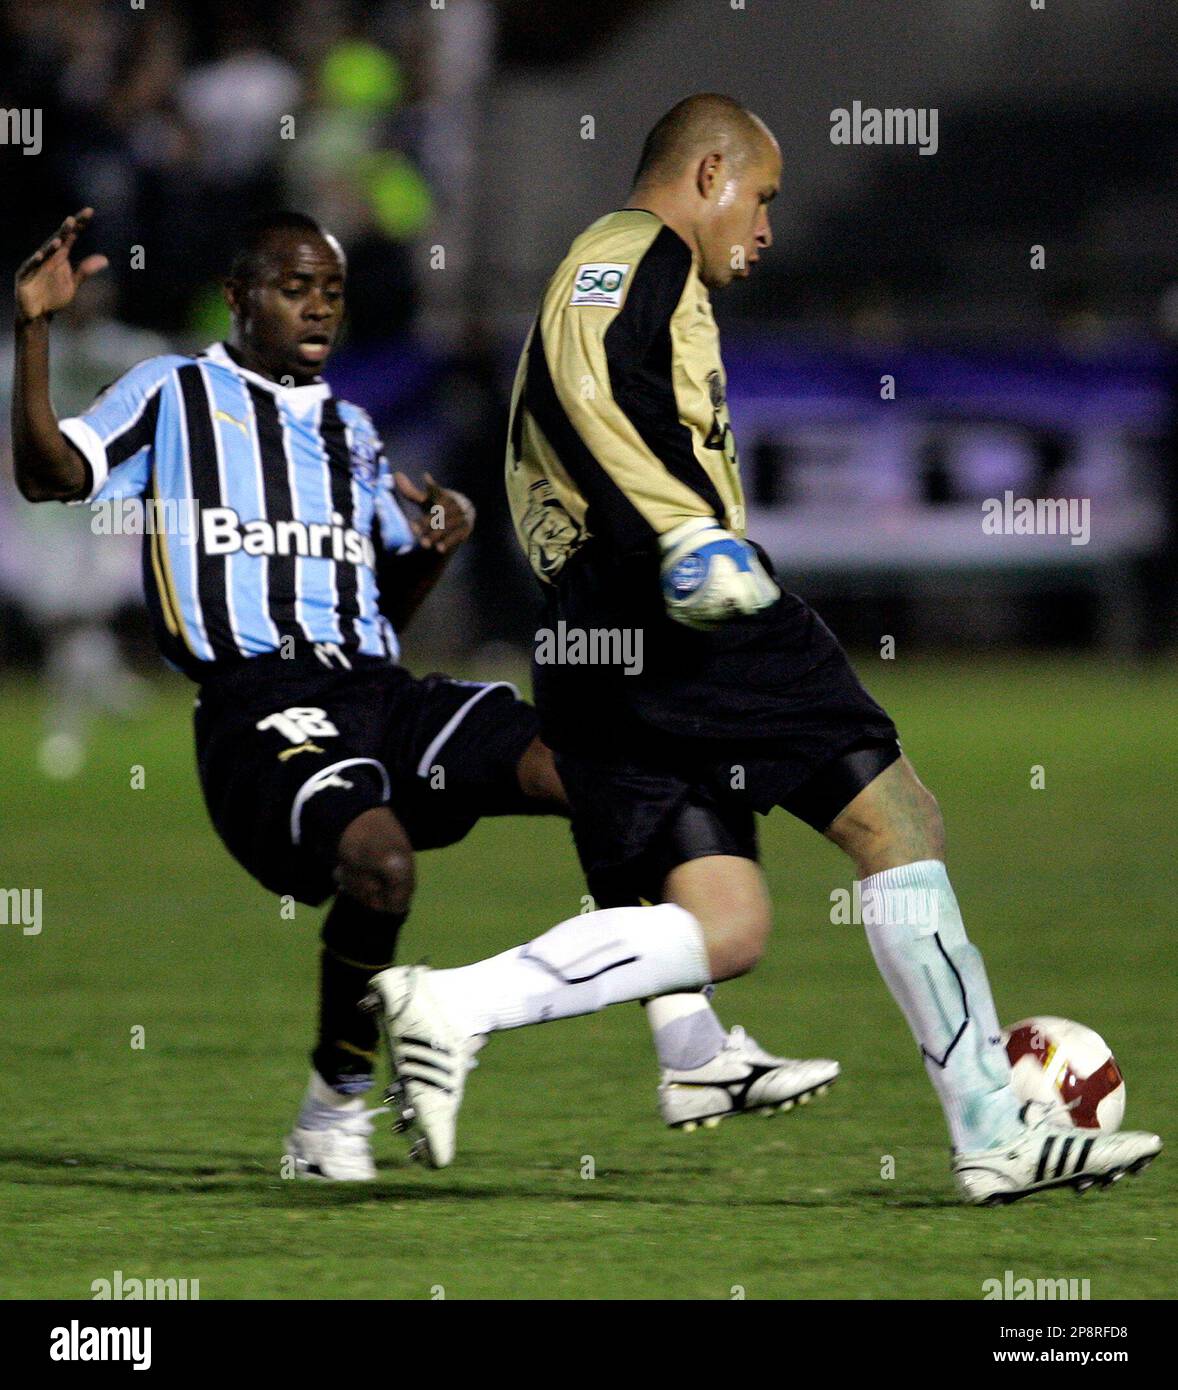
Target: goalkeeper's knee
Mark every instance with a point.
(710, 575)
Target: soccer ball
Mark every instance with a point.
(1065, 1064)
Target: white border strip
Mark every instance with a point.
(308, 790)
(431, 752)
(85, 438)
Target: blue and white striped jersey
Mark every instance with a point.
(290, 496)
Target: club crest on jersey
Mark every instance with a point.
(600, 283)
(365, 456)
(552, 534)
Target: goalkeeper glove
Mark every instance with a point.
(709, 575)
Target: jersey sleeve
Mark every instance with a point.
(116, 435)
(395, 534)
(609, 368)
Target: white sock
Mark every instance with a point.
(687, 1033)
(323, 1105)
(606, 957)
(937, 977)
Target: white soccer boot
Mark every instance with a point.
(1047, 1154)
(741, 1079)
(330, 1137)
(430, 1057)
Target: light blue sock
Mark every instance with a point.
(937, 977)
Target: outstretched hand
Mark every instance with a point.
(47, 281)
(447, 516)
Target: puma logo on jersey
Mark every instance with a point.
(302, 748)
(335, 780)
(230, 420)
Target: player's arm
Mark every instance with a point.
(47, 466)
(406, 578)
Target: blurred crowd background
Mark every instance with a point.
(456, 146)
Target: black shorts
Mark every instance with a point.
(634, 820)
(673, 762)
(289, 754)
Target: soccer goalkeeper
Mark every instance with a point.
(622, 474)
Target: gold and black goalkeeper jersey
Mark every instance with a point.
(620, 432)
(619, 424)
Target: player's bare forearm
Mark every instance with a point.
(406, 582)
(45, 465)
(446, 521)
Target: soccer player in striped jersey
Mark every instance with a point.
(623, 478)
(279, 567)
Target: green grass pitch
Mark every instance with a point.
(163, 1161)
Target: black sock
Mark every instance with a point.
(356, 944)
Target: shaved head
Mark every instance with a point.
(710, 169)
(699, 125)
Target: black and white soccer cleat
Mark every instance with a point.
(1048, 1155)
(429, 1057)
(339, 1152)
(330, 1138)
(742, 1079)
